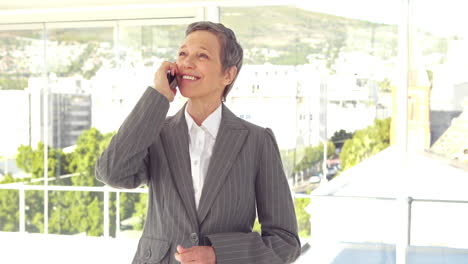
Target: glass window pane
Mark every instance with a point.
(77, 212)
(439, 225)
(133, 208)
(438, 123)
(9, 211)
(34, 211)
(75, 56)
(21, 58)
(319, 73)
(439, 84)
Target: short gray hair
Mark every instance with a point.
(231, 53)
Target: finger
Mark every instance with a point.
(181, 249)
(177, 257)
(176, 68)
(185, 257)
(166, 65)
(173, 68)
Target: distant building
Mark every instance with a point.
(453, 143)
(283, 97)
(22, 117)
(115, 92)
(69, 111)
(353, 103)
(449, 89)
(278, 97)
(69, 116)
(287, 99)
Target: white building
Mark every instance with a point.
(21, 113)
(15, 120)
(287, 99)
(278, 97)
(116, 91)
(68, 107)
(450, 82)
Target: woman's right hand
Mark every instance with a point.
(161, 83)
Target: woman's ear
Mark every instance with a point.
(230, 75)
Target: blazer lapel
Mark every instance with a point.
(175, 140)
(230, 138)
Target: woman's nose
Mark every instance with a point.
(187, 62)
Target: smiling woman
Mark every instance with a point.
(199, 63)
(209, 172)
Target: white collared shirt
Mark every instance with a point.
(202, 139)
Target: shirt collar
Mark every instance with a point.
(211, 123)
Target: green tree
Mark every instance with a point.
(79, 212)
(9, 206)
(385, 85)
(303, 218)
(133, 205)
(365, 143)
(24, 158)
(314, 156)
(12, 82)
(339, 137)
(34, 211)
(140, 211)
(127, 204)
(83, 159)
(32, 161)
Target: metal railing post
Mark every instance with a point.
(408, 231)
(404, 239)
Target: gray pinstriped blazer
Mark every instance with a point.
(245, 177)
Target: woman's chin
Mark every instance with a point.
(184, 93)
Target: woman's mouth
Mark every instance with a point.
(190, 77)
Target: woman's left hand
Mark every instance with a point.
(196, 255)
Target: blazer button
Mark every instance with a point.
(148, 253)
(194, 238)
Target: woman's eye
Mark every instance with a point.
(181, 53)
(202, 55)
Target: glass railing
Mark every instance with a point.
(342, 228)
(360, 229)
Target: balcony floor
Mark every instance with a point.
(17, 248)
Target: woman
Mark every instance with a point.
(209, 173)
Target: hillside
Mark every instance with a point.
(296, 33)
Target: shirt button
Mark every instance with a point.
(194, 238)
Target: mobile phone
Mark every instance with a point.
(172, 80)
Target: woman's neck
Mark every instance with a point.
(200, 110)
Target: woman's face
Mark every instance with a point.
(200, 74)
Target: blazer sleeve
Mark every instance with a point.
(279, 241)
(124, 163)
